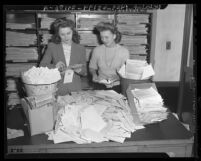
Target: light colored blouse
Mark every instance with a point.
(67, 52)
(108, 60)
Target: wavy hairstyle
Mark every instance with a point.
(103, 26)
(62, 23)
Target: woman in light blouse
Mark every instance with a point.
(108, 58)
(64, 51)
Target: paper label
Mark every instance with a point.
(68, 77)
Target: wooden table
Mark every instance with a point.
(168, 136)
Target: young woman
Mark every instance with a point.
(108, 58)
(63, 51)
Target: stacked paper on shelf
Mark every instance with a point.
(133, 18)
(46, 22)
(19, 25)
(132, 29)
(90, 22)
(88, 38)
(13, 99)
(16, 69)
(133, 40)
(11, 85)
(138, 57)
(20, 39)
(48, 19)
(92, 116)
(18, 54)
(136, 69)
(136, 49)
(149, 105)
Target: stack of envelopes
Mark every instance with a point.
(149, 105)
(92, 116)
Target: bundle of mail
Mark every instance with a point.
(92, 116)
(39, 101)
(136, 70)
(41, 75)
(149, 105)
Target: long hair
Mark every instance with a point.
(62, 23)
(103, 26)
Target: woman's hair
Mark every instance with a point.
(62, 23)
(103, 26)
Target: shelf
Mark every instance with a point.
(22, 46)
(23, 30)
(29, 61)
(37, 18)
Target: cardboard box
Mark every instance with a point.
(40, 119)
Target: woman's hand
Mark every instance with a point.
(61, 66)
(109, 85)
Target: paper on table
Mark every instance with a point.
(92, 120)
(116, 138)
(60, 137)
(148, 72)
(68, 77)
(134, 66)
(92, 135)
(109, 93)
(100, 108)
(13, 133)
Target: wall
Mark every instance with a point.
(169, 27)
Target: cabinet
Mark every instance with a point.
(28, 33)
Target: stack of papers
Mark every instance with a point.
(88, 38)
(136, 49)
(48, 19)
(93, 116)
(90, 21)
(133, 18)
(16, 69)
(13, 99)
(11, 85)
(20, 39)
(40, 100)
(133, 40)
(12, 25)
(136, 70)
(46, 22)
(132, 29)
(19, 54)
(149, 105)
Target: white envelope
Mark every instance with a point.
(68, 77)
(148, 72)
